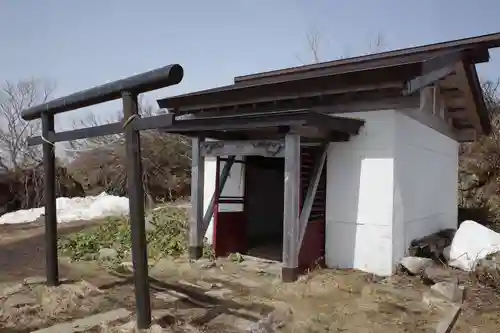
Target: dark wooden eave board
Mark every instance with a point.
(277, 120)
(335, 103)
(239, 135)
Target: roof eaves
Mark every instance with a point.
(166, 102)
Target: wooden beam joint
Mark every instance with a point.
(434, 70)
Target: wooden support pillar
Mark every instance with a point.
(222, 182)
(291, 208)
(49, 195)
(136, 205)
(197, 187)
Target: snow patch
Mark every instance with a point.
(73, 209)
(471, 243)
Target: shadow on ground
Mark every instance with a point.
(195, 297)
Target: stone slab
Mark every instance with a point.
(446, 324)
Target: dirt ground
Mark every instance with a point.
(22, 250)
(225, 296)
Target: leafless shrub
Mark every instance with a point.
(479, 169)
(14, 131)
(316, 42)
(21, 172)
(100, 164)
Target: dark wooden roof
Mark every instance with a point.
(303, 86)
(371, 77)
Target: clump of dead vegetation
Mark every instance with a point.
(165, 163)
(166, 233)
(479, 168)
(23, 188)
(487, 272)
(100, 163)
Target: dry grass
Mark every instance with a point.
(35, 306)
(350, 301)
(323, 301)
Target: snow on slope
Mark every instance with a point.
(72, 209)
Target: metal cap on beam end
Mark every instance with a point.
(155, 79)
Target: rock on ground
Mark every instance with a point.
(448, 321)
(435, 274)
(471, 243)
(415, 265)
(449, 290)
(107, 254)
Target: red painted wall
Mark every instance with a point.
(312, 252)
(231, 236)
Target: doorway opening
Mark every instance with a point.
(264, 201)
(249, 213)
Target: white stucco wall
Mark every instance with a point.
(234, 187)
(392, 183)
(425, 182)
(359, 197)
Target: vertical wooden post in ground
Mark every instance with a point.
(291, 227)
(197, 187)
(49, 196)
(136, 204)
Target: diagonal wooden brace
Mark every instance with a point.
(319, 163)
(222, 181)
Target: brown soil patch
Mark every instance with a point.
(22, 248)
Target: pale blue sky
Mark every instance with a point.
(80, 44)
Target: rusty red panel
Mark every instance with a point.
(231, 233)
(312, 252)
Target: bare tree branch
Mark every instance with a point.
(377, 44)
(109, 141)
(313, 44)
(76, 146)
(315, 41)
(14, 131)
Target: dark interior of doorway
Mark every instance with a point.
(264, 202)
